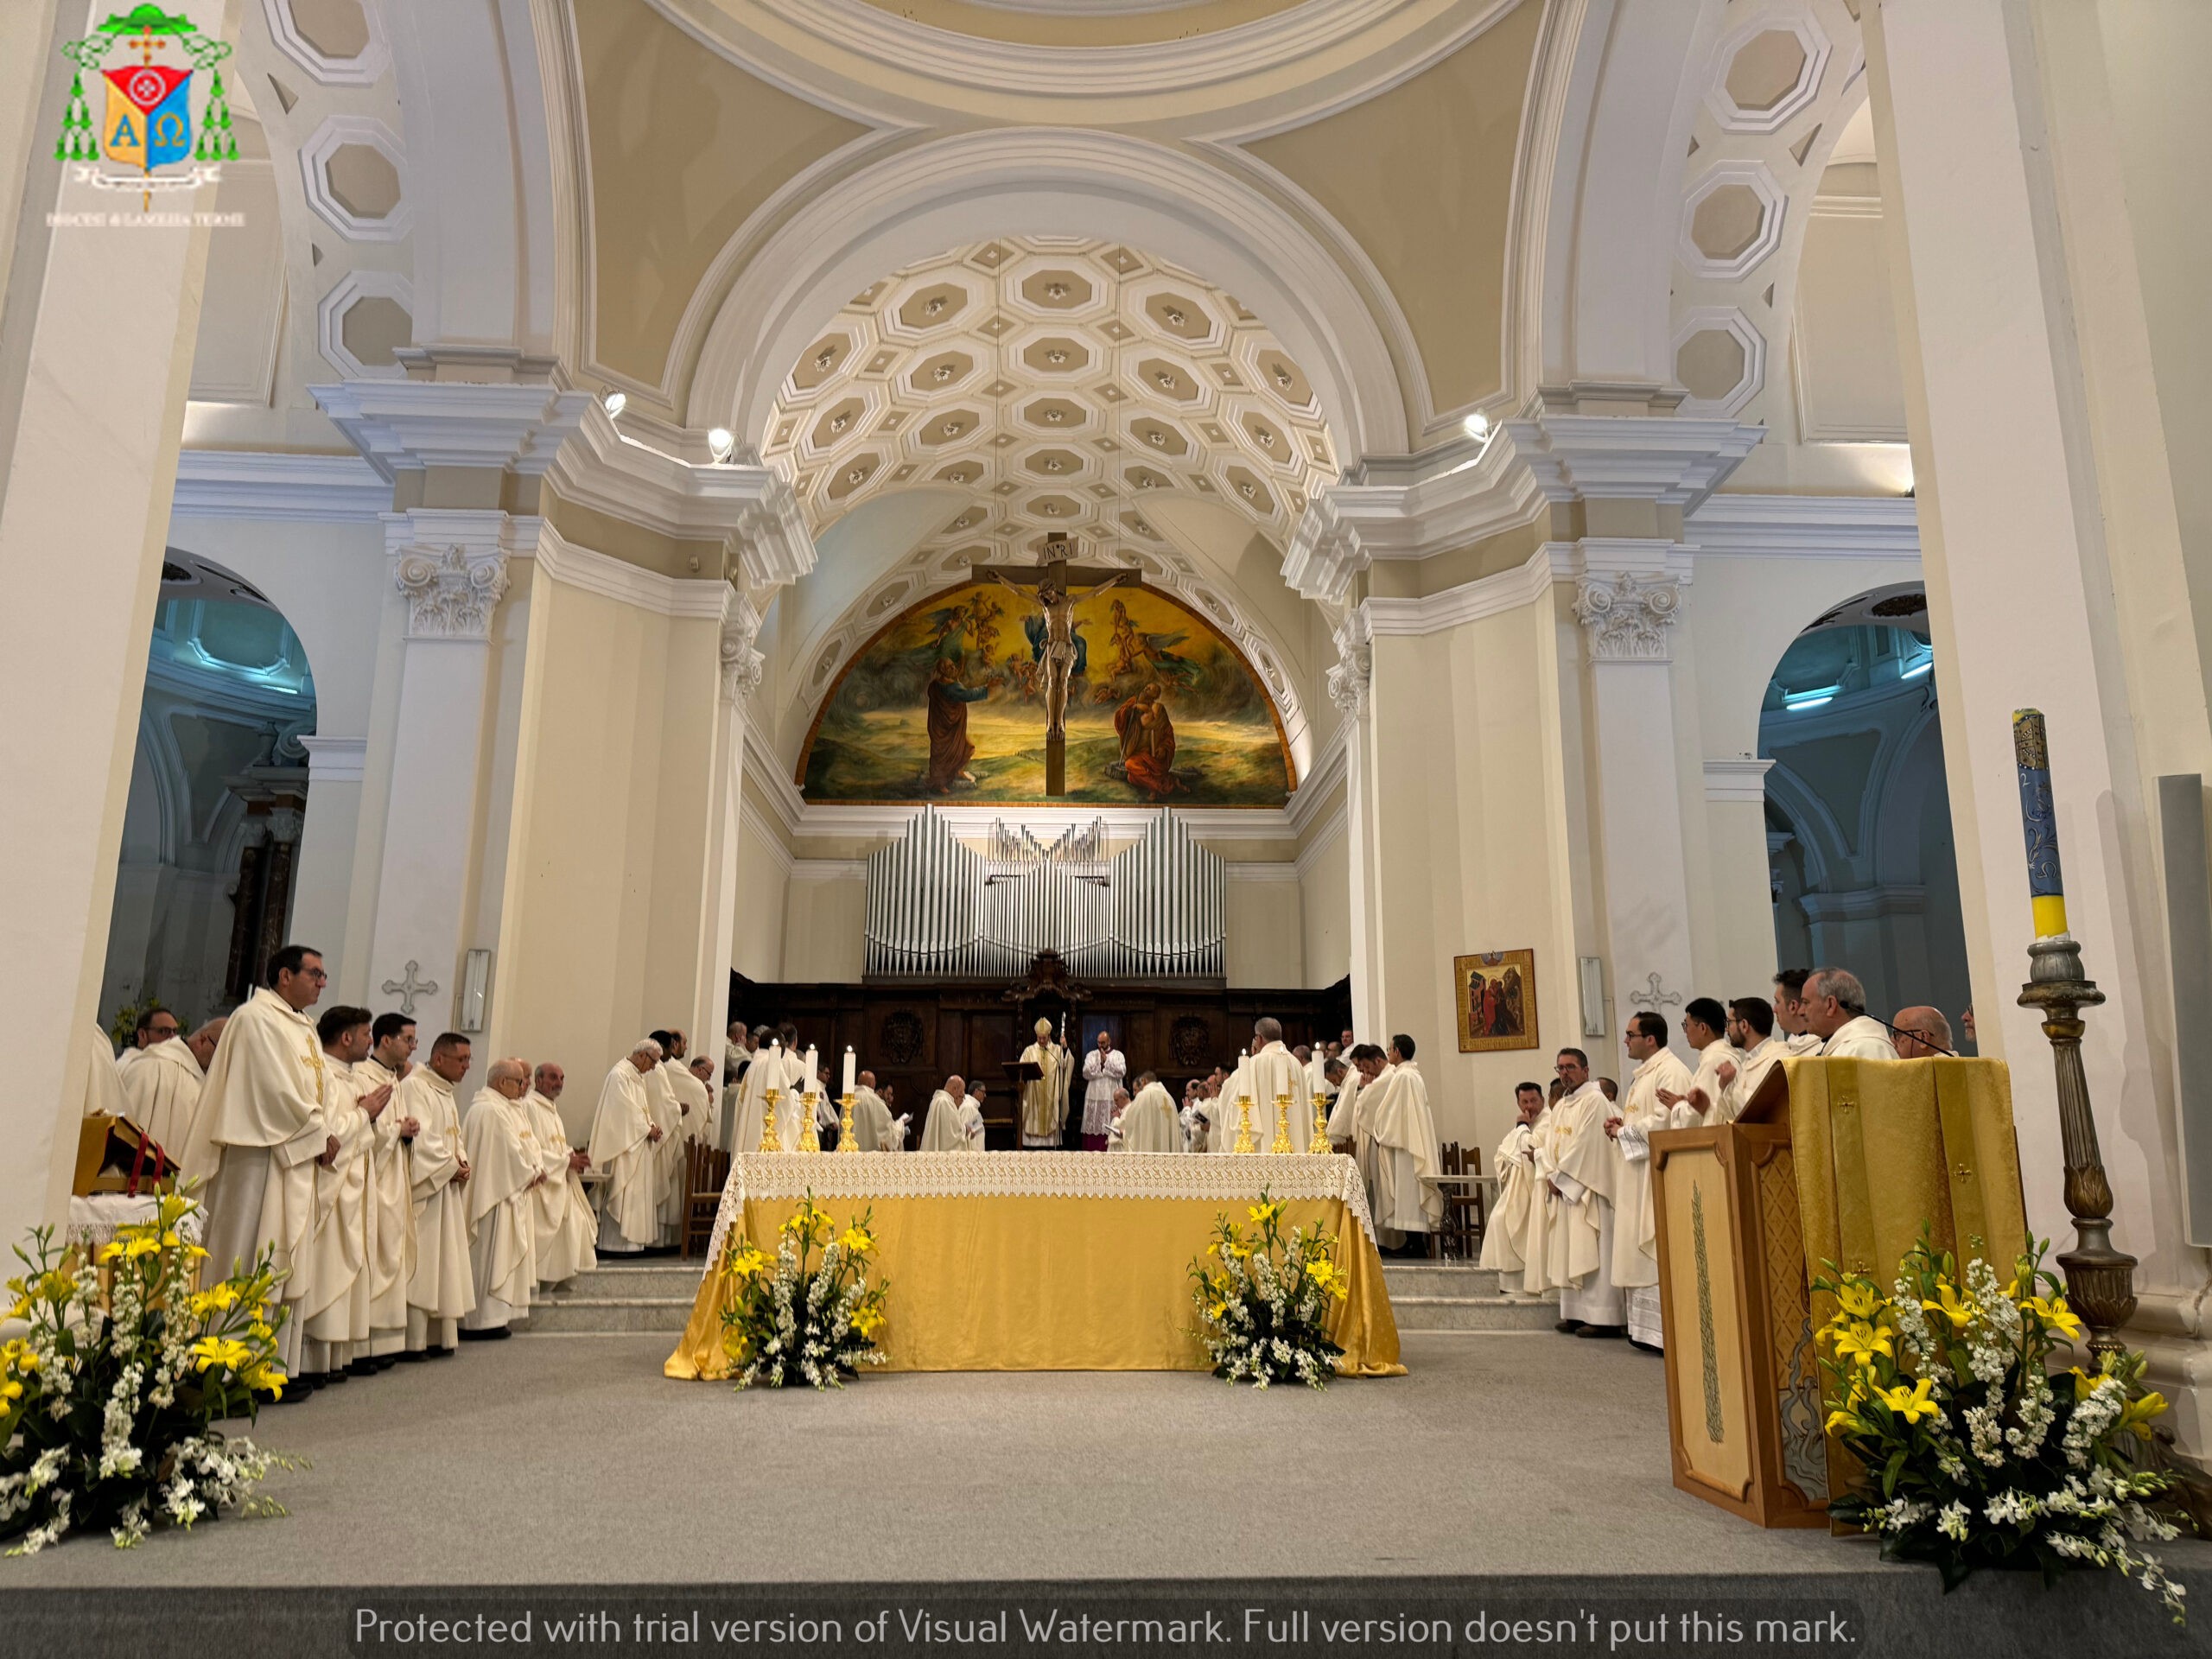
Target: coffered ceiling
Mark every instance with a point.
(1049, 386)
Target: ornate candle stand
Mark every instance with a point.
(845, 1140)
(770, 1141)
(810, 1139)
(1319, 1146)
(1281, 1147)
(1244, 1141)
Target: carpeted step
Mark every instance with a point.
(572, 1315)
(1418, 1313)
(1439, 1279)
(660, 1276)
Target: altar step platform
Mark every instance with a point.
(657, 1294)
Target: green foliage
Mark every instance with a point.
(1263, 1301)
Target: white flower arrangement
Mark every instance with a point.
(792, 1319)
(1263, 1301)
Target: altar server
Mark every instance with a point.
(505, 1172)
(955, 1122)
(1659, 1076)
(1397, 1148)
(1149, 1124)
(625, 1144)
(564, 1228)
(1505, 1231)
(1584, 1167)
(439, 1291)
(1104, 1068)
(161, 1094)
(337, 1312)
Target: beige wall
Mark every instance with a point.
(825, 913)
(1265, 915)
(1472, 851)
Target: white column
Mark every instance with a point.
(1350, 682)
(742, 670)
(451, 571)
(92, 402)
(1627, 601)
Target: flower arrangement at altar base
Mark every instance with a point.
(108, 1406)
(1975, 1454)
(794, 1318)
(1263, 1299)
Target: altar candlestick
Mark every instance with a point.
(2039, 823)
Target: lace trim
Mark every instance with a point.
(95, 1218)
(1037, 1174)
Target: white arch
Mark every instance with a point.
(1054, 182)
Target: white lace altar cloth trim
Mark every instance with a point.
(772, 1175)
(95, 1218)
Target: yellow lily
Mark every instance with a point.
(267, 1380)
(1217, 1310)
(224, 1352)
(1841, 1420)
(1859, 1301)
(2056, 1315)
(2136, 1416)
(1862, 1342)
(1263, 1213)
(1913, 1403)
(856, 1241)
(868, 1321)
(11, 1391)
(1961, 1312)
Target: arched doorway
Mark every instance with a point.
(1861, 860)
(218, 794)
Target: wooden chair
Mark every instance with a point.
(705, 1172)
(1461, 1233)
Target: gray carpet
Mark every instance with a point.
(571, 1460)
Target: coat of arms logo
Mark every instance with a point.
(144, 134)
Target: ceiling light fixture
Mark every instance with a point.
(616, 403)
(720, 442)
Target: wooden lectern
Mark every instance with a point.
(1833, 1161)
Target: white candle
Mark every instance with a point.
(849, 1065)
(810, 1085)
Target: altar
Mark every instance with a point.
(1046, 1260)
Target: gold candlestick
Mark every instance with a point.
(769, 1140)
(1244, 1142)
(1319, 1146)
(809, 1140)
(1281, 1147)
(845, 1140)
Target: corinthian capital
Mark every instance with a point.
(742, 666)
(1350, 679)
(451, 592)
(1626, 618)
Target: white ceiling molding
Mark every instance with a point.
(1279, 870)
(601, 468)
(335, 760)
(1773, 209)
(1728, 319)
(1805, 526)
(1793, 100)
(954, 192)
(1673, 460)
(295, 488)
(1526, 584)
(1327, 841)
(330, 319)
(765, 834)
(592, 572)
(1320, 785)
(407, 425)
(365, 69)
(335, 133)
(1742, 778)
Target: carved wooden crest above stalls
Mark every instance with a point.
(1048, 977)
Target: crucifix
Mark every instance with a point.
(1056, 598)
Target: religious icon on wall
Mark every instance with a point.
(949, 702)
(1497, 1000)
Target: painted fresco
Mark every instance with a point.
(947, 703)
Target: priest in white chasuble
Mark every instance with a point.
(259, 1133)
(103, 1075)
(1705, 1028)
(391, 1181)
(1149, 1123)
(669, 1110)
(776, 1067)
(506, 1171)
(1267, 1075)
(1045, 1097)
(1398, 1147)
(338, 1311)
(1834, 1010)
(1660, 1076)
(161, 1093)
(694, 1099)
(439, 1292)
(1759, 1048)
(1505, 1229)
(566, 1230)
(1343, 1077)
(874, 1128)
(1585, 1169)
(702, 1073)
(625, 1144)
(955, 1122)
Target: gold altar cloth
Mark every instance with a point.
(1001, 1279)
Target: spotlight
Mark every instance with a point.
(1478, 426)
(720, 442)
(616, 403)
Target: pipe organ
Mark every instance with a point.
(937, 909)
